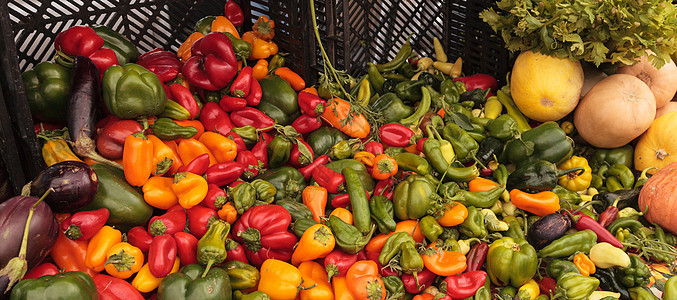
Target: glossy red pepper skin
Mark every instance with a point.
(230, 103)
(242, 83)
(425, 279)
(140, 238)
(186, 245)
(305, 124)
(395, 135)
(251, 116)
(385, 188)
(547, 285)
(329, 179)
(374, 147)
(85, 224)
(213, 64)
(42, 270)
(198, 165)
(161, 255)
(112, 137)
(199, 219)
(307, 171)
(239, 142)
(215, 119)
(102, 59)
(216, 197)
(224, 173)
(476, 256)
(235, 251)
(337, 262)
(113, 288)
(479, 81)
(603, 235)
(260, 150)
(78, 41)
(255, 93)
(166, 65)
(608, 216)
(171, 222)
(419, 144)
(387, 271)
(311, 104)
(251, 164)
(465, 285)
(234, 13)
(272, 223)
(184, 97)
(342, 201)
(297, 159)
(99, 125)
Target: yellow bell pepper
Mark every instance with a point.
(280, 280)
(574, 181)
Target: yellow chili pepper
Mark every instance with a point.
(99, 244)
(123, 260)
(145, 282)
(157, 192)
(573, 181)
(584, 264)
(190, 188)
(56, 150)
(280, 280)
(223, 148)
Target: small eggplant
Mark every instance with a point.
(74, 184)
(547, 229)
(626, 198)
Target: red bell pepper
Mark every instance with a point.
(215, 119)
(169, 223)
(476, 256)
(385, 188)
(260, 150)
(78, 41)
(112, 137)
(342, 201)
(307, 171)
(242, 83)
(547, 285)
(102, 59)
(252, 116)
(197, 166)
(374, 147)
(230, 103)
(235, 251)
(165, 64)
(255, 93)
(139, 238)
(113, 288)
(101, 124)
(465, 285)
(239, 141)
(212, 64)
(224, 173)
(251, 164)
(479, 81)
(337, 263)
(216, 197)
(416, 284)
(186, 245)
(234, 13)
(395, 135)
(603, 235)
(306, 124)
(298, 158)
(161, 255)
(329, 179)
(199, 219)
(42, 270)
(264, 230)
(85, 224)
(311, 104)
(185, 98)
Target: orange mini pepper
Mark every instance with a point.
(315, 198)
(291, 77)
(124, 260)
(584, 264)
(264, 28)
(337, 110)
(228, 213)
(480, 184)
(223, 148)
(340, 288)
(261, 49)
(364, 280)
(441, 260)
(69, 255)
(540, 204)
(145, 282)
(260, 69)
(315, 282)
(316, 242)
(311, 90)
(279, 279)
(158, 193)
(137, 159)
(424, 296)
(222, 24)
(191, 148)
(384, 167)
(190, 188)
(343, 214)
(453, 215)
(165, 160)
(184, 52)
(366, 158)
(193, 123)
(99, 244)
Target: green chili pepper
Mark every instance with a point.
(358, 200)
(348, 238)
(449, 89)
(301, 225)
(456, 108)
(473, 225)
(394, 287)
(436, 99)
(396, 76)
(465, 146)
(279, 150)
(400, 58)
(569, 244)
(211, 248)
(296, 209)
(596, 182)
(375, 77)
(168, 130)
(537, 175)
(626, 222)
(124, 49)
(484, 199)
(392, 107)
(411, 162)
(243, 196)
(507, 293)
(659, 235)
(623, 174)
(636, 274)
(515, 228)
(643, 293)
(382, 213)
(242, 49)
(511, 108)
(422, 108)
(567, 197)
(623, 155)
(430, 228)
(558, 267)
(641, 180)
(410, 91)
(503, 127)
(392, 246)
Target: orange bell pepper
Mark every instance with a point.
(260, 69)
(228, 213)
(364, 281)
(191, 148)
(343, 214)
(222, 24)
(280, 280)
(158, 192)
(453, 215)
(337, 110)
(366, 158)
(292, 78)
(315, 282)
(145, 282)
(137, 159)
(480, 184)
(193, 123)
(409, 226)
(539, 204)
(190, 188)
(184, 50)
(442, 260)
(123, 260)
(316, 242)
(340, 288)
(165, 160)
(315, 198)
(584, 264)
(384, 167)
(223, 148)
(69, 255)
(98, 247)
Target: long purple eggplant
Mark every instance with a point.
(74, 184)
(547, 229)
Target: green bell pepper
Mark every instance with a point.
(241, 48)
(511, 262)
(545, 142)
(265, 191)
(409, 91)
(503, 127)
(279, 151)
(392, 246)
(348, 238)
(68, 285)
(450, 90)
(636, 274)
(243, 196)
(465, 146)
(558, 267)
(168, 130)
(242, 276)
(413, 197)
(623, 155)
(124, 49)
(211, 248)
(174, 111)
(323, 139)
(296, 209)
(576, 286)
(473, 225)
(670, 288)
(569, 244)
(382, 211)
(301, 225)
(132, 92)
(392, 107)
(279, 101)
(125, 204)
(643, 293)
(411, 162)
(288, 181)
(537, 175)
(430, 228)
(47, 86)
(191, 282)
(394, 287)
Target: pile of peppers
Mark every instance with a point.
(222, 176)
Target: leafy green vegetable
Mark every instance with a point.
(597, 31)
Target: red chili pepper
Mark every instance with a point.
(165, 64)
(242, 83)
(255, 93)
(212, 64)
(337, 263)
(113, 288)
(465, 285)
(250, 163)
(486, 172)
(199, 219)
(215, 119)
(416, 284)
(476, 256)
(102, 59)
(185, 98)
(297, 158)
(161, 255)
(260, 150)
(547, 285)
(234, 13)
(306, 124)
(307, 171)
(186, 245)
(78, 41)
(311, 104)
(342, 201)
(385, 188)
(239, 142)
(139, 238)
(197, 166)
(216, 197)
(230, 103)
(264, 230)
(42, 270)
(170, 222)
(479, 81)
(374, 147)
(224, 173)
(329, 179)
(395, 135)
(235, 251)
(419, 144)
(609, 214)
(251, 116)
(85, 224)
(603, 235)
(112, 137)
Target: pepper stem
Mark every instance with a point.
(564, 172)
(251, 238)
(209, 266)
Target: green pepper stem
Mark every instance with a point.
(209, 266)
(564, 172)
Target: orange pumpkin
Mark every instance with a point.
(658, 145)
(660, 195)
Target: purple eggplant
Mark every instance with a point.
(74, 184)
(547, 229)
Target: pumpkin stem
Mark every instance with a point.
(661, 154)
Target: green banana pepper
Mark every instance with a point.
(670, 288)
(301, 225)
(348, 238)
(623, 155)
(174, 111)
(503, 127)
(558, 267)
(279, 150)
(394, 287)
(409, 91)
(411, 162)
(381, 209)
(537, 175)
(449, 89)
(323, 139)
(68, 285)
(511, 262)
(392, 107)
(375, 78)
(168, 130)
(241, 48)
(643, 293)
(422, 109)
(125, 204)
(196, 282)
(124, 49)
(569, 244)
(465, 146)
(576, 286)
(211, 248)
(296, 209)
(636, 274)
(414, 197)
(410, 260)
(242, 276)
(545, 142)
(279, 100)
(265, 191)
(473, 225)
(132, 92)
(248, 133)
(243, 196)
(392, 246)
(288, 181)
(430, 228)
(47, 86)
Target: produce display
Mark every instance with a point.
(216, 172)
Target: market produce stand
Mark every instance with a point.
(338, 150)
